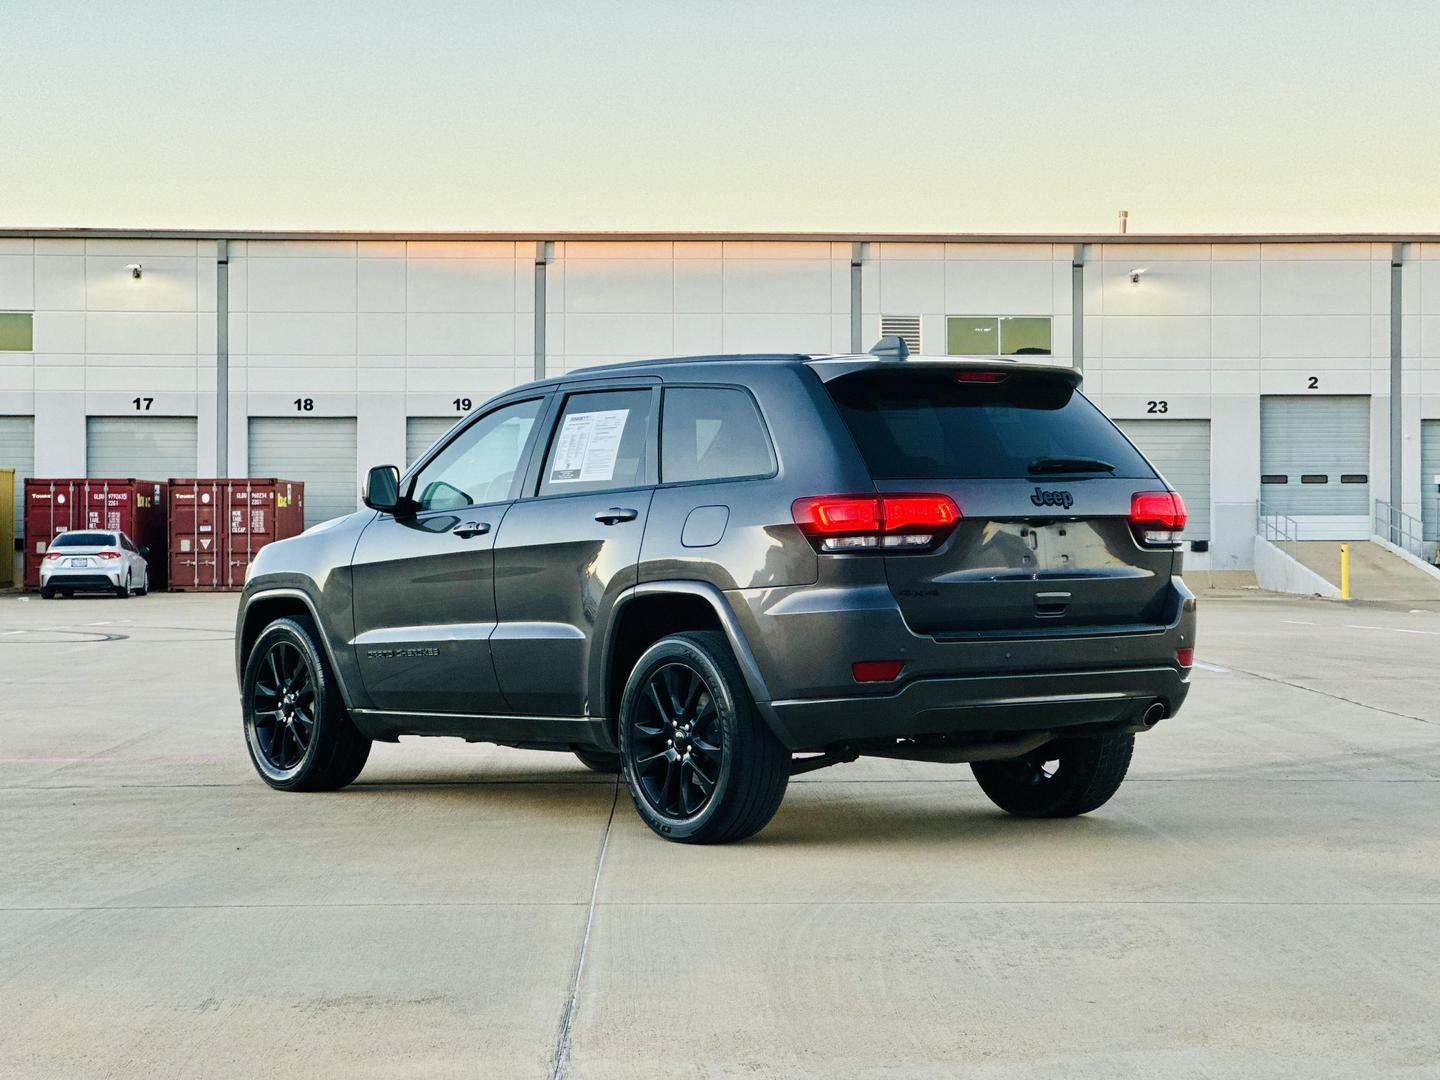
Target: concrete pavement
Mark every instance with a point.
(1260, 899)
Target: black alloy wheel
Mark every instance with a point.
(701, 764)
(298, 732)
(677, 742)
(283, 704)
(1063, 778)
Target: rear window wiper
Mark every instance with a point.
(1069, 465)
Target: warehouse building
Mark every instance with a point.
(1287, 383)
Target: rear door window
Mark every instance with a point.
(930, 426)
(599, 443)
(712, 433)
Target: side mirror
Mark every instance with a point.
(382, 489)
(144, 552)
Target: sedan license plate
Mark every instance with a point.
(79, 562)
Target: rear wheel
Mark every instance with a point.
(297, 730)
(1063, 778)
(700, 762)
(597, 760)
(123, 591)
(47, 593)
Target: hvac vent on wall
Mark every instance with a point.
(905, 326)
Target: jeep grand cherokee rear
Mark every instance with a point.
(1006, 591)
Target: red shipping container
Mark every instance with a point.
(134, 507)
(217, 525)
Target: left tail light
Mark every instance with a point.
(1157, 516)
(881, 524)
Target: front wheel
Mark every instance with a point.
(700, 762)
(298, 733)
(1063, 778)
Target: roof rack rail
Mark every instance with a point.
(890, 347)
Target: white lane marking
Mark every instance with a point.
(1393, 629)
(1299, 622)
(1212, 667)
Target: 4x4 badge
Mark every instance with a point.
(1061, 499)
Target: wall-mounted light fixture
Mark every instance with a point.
(135, 269)
(1137, 274)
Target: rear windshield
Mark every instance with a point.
(927, 426)
(83, 539)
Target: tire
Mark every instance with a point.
(47, 593)
(1063, 778)
(597, 760)
(144, 590)
(719, 737)
(303, 740)
(123, 591)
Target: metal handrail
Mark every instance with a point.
(1401, 529)
(1275, 527)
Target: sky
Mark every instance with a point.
(705, 115)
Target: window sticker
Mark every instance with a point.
(587, 447)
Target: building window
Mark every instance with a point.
(997, 335)
(17, 334)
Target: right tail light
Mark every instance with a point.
(1157, 516)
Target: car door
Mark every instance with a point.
(134, 562)
(570, 546)
(424, 593)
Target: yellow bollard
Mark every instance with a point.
(1344, 571)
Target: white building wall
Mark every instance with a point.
(613, 301)
(386, 329)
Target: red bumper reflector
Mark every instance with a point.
(876, 670)
(1185, 657)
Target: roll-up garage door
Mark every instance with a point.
(319, 451)
(17, 451)
(1180, 449)
(422, 432)
(1430, 477)
(1315, 464)
(145, 447)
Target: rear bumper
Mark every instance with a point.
(997, 703)
(80, 579)
(805, 639)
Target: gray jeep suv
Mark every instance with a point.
(713, 573)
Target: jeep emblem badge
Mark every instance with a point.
(1062, 499)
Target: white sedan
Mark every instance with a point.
(88, 559)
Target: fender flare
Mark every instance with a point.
(288, 593)
(754, 680)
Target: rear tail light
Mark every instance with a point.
(1157, 516)
(888, 524)
(979, 376)
(54, 555)
(108, 554)
(1185, 657)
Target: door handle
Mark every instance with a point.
(471, 529)
(616, 514)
